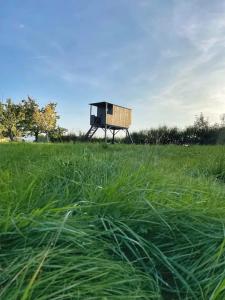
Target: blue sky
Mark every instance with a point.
(163, 58)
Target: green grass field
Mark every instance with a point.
(112, 222)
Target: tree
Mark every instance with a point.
(201, 122)
(30, 106)
(11, 119)
(202, 129)
(58, 134)
(45, 120)
(222, 119)
(1, 117)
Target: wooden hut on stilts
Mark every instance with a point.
(109, 117)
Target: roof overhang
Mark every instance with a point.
(100, 104)
(103, 104)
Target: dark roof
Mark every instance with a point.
(99, 104)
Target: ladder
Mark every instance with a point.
(129, 136)
(91, 132)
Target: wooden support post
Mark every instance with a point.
(105, 135)
(90, 110)
(113, 139)
(91, 115)
(106, 108)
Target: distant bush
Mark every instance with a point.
(68, 138)
(200, 133)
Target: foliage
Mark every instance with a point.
(201, 123)
(64, 137)
(57, 134)
(201, 132)
(11, 119)
(45, 119)
(27, 118)
(123, 222)
(29, 108)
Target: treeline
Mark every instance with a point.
(201, 133)
(27, 118)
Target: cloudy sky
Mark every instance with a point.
(163, 58)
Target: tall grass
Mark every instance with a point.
(120, 222)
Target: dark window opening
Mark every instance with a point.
(110, 109)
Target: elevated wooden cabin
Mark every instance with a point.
(110, 115)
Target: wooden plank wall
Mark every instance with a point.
(121, 117)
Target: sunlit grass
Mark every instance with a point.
(118, 222)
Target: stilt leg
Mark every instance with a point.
(129, 136)
(113, 139)
(106, 134)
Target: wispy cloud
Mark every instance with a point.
(165, 59)
(198, 84)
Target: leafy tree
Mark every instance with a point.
(45, 120)
(222, 119)
(1, 117)
(29, 126)
(11, 119)
(57, 134)
(201, 123)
